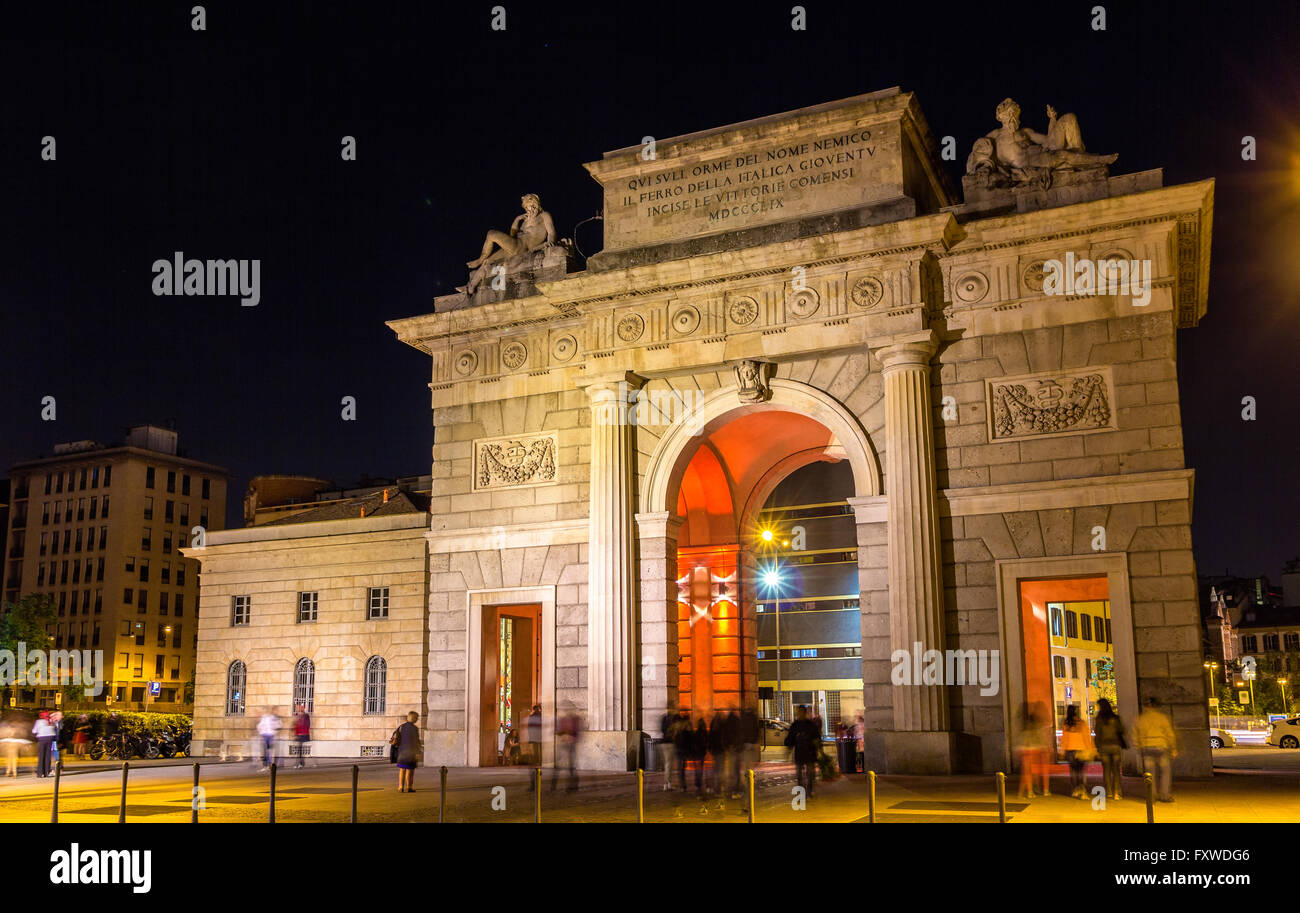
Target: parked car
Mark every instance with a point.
(774, 732)
(1221, 738)
(1285, 733)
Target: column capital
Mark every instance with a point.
(658, 524)
(618, 383)
(907, 350)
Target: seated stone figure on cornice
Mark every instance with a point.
(1013, 155)
(531, 230)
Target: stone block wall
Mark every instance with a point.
(341, 568)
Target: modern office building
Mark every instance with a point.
(99, 529)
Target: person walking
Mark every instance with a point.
(1076, 742)
(533, 733)
(860, 742)
(1154, 736)
(717, 753)
(1110, 743)
(699, 753)
(683, 745)
(751, 738)
(666, 746)
(45, 734)
(568, 732)
(733, 738)
(81, 737)
(1030, 747)
(410, 751)
(11, 738)
(804, 737)
(268, 727)
(302, 733)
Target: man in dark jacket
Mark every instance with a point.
(717, 750)
(805, 738)
(683, 746)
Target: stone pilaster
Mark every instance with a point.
(915, 576)
(657, 550)
(612, 663)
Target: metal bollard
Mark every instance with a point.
(537, 796)
(356, 772)
(640, 796)
(54, 809)
(871, 797)
(442, 792)
(194, 796)
(752, 814)
(271, 808)
(1151, 794)
(121, 810)
(1002, 797)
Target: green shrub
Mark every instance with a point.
(132, 721)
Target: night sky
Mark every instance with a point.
(225, 144)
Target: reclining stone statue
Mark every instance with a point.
(532, 230)
(1014, 155)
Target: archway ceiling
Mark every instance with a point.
(729, 462)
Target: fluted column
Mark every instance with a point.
(612, 571)
(915, 575)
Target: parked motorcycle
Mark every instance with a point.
(167, 746)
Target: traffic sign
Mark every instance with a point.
(155, 688)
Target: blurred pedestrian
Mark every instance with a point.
(533, 733)
(410, 751)
(268, 728)
(751, 737)
(683, 745)
(568, 732)
(805, 738)
(44, 732)
(56, 720)
(717, 752)
(1076, 742)
(666, 746)
(1154, 737)
(733, 736)
(860, 742)
(1031, 749)
(81, 738)
(1110, 743)
(12, 741)
(700, 753)
(302, 733)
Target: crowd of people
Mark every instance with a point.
(1104, 740)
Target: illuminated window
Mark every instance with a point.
(376, 686)
(235, 678)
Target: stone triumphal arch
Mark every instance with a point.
(803, 289)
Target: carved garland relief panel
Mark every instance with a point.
(518, 461)
(1050, 404)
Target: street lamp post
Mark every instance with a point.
(772, 577)
(1209, 673)
(1286, 704)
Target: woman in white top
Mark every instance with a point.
(12, 742)
(45, 732)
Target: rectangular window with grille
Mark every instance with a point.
(307, 603)
(240, 610)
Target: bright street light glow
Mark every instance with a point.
(767, 535)
(772, 578)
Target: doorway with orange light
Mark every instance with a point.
(511, 680)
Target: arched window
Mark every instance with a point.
(376, 685)
(304, 684)
(236, 676)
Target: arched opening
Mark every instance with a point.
(755, 467)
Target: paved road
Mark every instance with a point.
(239, 792)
